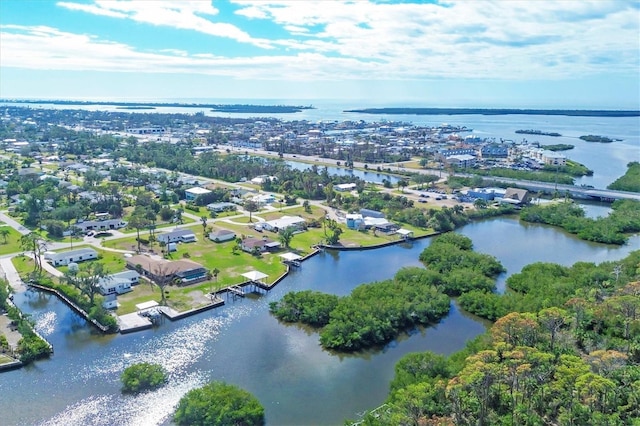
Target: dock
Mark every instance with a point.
(133, 322)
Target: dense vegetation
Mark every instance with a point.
(540, 176)
(30, 347)
(567, 354)
(373, 314)
(538, 132)
(613, 229)
(142, 376)
(559, 147)
(630, 181)
(596, 138)
(219, 404)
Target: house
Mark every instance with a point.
(119, 282)
(494, 151)
(261, 244)
(66, 257)
(110, 301)
(221, 207)
(296, 223)
(177, 236)
(100, 225)
(222, 235)
(516, 196)
(193, 193)
(181, 271)
(344, 187)
(355, 221)
(371, 213)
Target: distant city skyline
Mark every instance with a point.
(521, 54)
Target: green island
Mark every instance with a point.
(135, 107)
(564, 349)
(142, 377)
(498, 111)
(538, 132)
(597, 138)
(558, 147)
(260, 109)
(630, 181)
(376, 313)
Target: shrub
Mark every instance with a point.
(221, 404)
(143, 376)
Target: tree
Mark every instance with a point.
(33, 243)
(203, 219)
(218, 403)
(143, 376)
(4, 232)
(402, 184)
(285, 235)
(251, 206)
(137, 222)
(87, 278)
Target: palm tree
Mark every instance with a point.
(4, 232)
(285, 235)
(203, 219)
(251, 206)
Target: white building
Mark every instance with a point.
(177, 236)
(285, 222)
(66, 257)
(192, 193)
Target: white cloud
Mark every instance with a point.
(180, 14)
(331, 40)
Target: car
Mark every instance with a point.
(90, 234)
(422, 201)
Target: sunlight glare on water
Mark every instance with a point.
(175, 351)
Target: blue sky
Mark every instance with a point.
(503, 53)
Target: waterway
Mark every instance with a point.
(298, 382)
(374, 177)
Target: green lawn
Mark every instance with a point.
(12, 242)
(113, 262)
(5, 359)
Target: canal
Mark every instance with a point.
(298, 382)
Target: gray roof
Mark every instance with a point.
(73, 253)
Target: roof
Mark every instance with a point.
(515, 194)
(78, 252)
(221, 232)
(285, 221)
(146, 305)
(254, 275)
(176, 233)
(197, 190)
(290, 256)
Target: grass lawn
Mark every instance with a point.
(5, 359)
(23, 264)
(12, 242)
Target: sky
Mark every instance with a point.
(502, 53)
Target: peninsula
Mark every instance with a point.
(152, 105)
(499, 111)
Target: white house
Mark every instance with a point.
(221, 207)
(100, 225)
(66, 257)
(118, 283)
(285, 222)
(192, 193)
(177, 236)
(222, 235)
(344, 187)
(110, 301)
